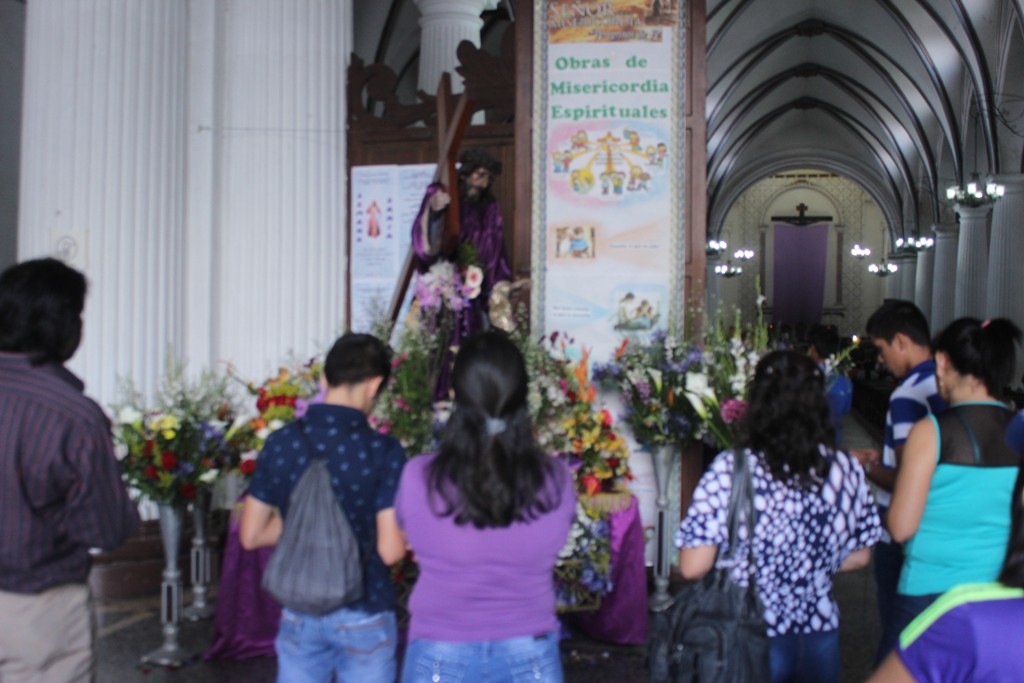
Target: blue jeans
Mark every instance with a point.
(516, 660)
(351, 644)
(805, 657)
(888, 563)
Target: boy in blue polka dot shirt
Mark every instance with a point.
(357, 641)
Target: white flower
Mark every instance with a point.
(761, 298)
(473, 280)
(697, 389)
(262, 434)
(120, 451)
(209, 476)
(129, 415)
(250, 455)
(274, 425)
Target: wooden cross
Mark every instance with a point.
(452, 121)
(802, 218)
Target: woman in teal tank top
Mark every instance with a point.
(952, 500)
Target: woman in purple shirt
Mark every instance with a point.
(486, 516)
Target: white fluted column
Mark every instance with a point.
(944, 276)
(893, 284)
(971, 261)
(102, 174)
(908, 274)
(445, 24)
(1006, 252)
(925, 276)
(281, 249)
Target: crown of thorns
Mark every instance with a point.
(475, 158)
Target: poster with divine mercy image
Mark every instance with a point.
(608, 178)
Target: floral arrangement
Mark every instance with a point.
(598, 455)
(279, 400)
(444, 286)
(172, 451)
(406, 408)
(652, 377)
(582, 573)
(718, 392)
(568, 424)
(550, 399)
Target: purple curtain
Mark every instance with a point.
(800, 254)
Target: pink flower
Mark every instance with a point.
(472, 282)
(733, 410)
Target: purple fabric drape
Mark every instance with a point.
(247, 618)
(622, 618)
(799, 292)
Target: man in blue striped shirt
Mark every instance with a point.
(899, 331)
(60, 489)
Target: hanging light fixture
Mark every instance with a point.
(915, 244)
(715, 247)
(728, 270)
(973, 195)
(883, 269)
(860, 252)
(743, 254)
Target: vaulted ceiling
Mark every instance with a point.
(905, 97)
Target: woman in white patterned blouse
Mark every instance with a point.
(815, 516)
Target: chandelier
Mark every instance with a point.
(715, 247)
(883, 269)
(860, 252)
(915, 244)
(728, 270)
(743, 254)
(973, 195)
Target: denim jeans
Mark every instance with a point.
(535, 659)
(354, 645)
(888, 563)
(805, 657)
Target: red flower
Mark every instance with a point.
(606, 419)
(613, 463)
(188, 490)
(151, 472)
(148, 449)
(168, 460)
(247, 466)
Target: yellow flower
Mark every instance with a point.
(162, 422)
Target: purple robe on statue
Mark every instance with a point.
(481, 225)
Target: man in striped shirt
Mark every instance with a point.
(899, 331)
(60, 489)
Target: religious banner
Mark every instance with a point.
(608, 178)
(607, 243)
(384, 200)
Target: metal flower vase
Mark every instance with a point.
(661, 458)
(202, 607)
(170, 653)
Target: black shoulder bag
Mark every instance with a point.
(713, 630)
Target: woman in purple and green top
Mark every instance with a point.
(486, 516)
(972, 633)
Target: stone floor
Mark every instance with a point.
(129, 629)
